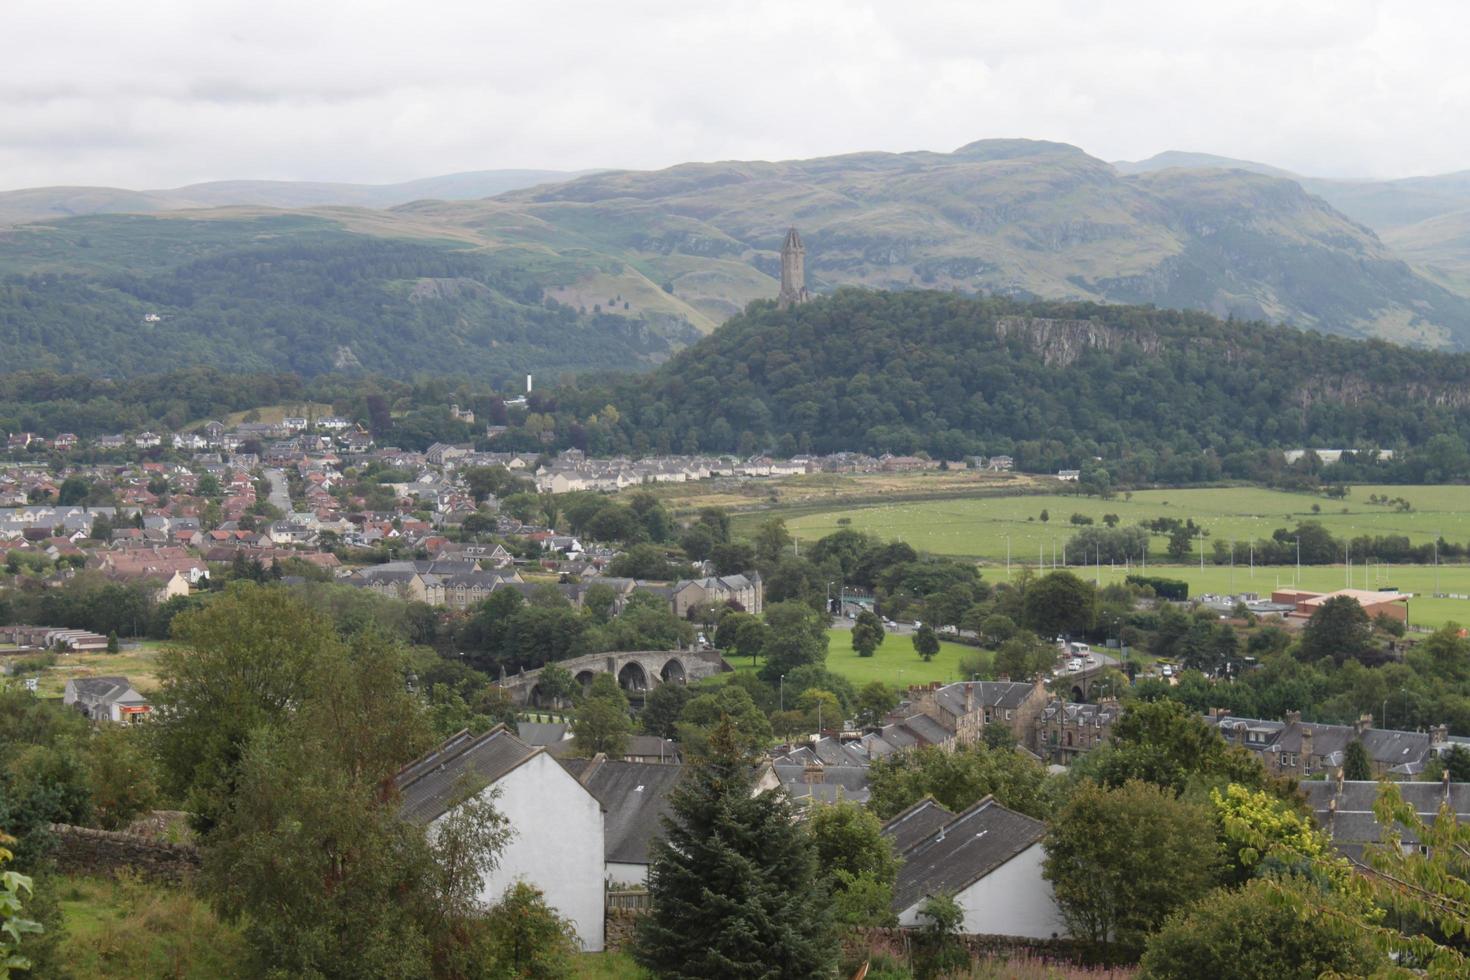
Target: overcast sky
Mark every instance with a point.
(167, 92)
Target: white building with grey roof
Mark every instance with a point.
(556, 822)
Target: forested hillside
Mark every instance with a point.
(128, 295)
(1165, 394)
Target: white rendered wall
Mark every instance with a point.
(557, 844)
(1013, 900)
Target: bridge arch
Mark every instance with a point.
(673, 672)
(1078, 693)
(632, 677)
(584, 680)
(536, 697)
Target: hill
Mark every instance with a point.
(1383, 205)
(1016, 217)
(1174, 396)
(126, 295)
(50, 203)
(619, 269)
(1186, 160)
(1438, 245)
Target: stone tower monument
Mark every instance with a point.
(793, 272)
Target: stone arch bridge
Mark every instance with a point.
(1082, 685)
(637, 672)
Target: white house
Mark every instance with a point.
(555, 821)
(106, 699)
(988, 858)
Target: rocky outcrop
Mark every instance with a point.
(1061, 342)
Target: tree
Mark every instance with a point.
(240, 663)
(1059, 603)
(732, 557)
(867, 633)
(937, 951)
(857, 859)
(797, 636)
(1457, 762)
(771, 541)
(15, 889)
(1166, 744)
(74, 490)
(1355, 761)
(741, 634)
(728, 704)
(528, 938)
(662, 709)
(112, 645)
(1120, 860)
(734, 886)
(995, 629)
(121, 772)
(557, 685)
(926, 642)
(314, 859)
(1271, 929)
(957, 780)
(1340, 629)
(874, 701)
(1023, 657)
(602, 724)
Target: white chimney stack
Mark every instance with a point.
(528, 384)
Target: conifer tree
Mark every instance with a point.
(1355, 761)
(734, 886)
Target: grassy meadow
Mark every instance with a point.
(895, 663)
(980, 527)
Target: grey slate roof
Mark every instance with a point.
(963, 851)
(925, 729)
(916, 824)
(101, 688)
(1345, 811)
(432, 784)
(541, 732)
(635, 798)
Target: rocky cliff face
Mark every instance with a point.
(1060, 342)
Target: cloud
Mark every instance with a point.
(168, 92)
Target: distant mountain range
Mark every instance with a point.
(1383, 205)
(503, 271)
(49, 203)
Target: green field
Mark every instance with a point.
(895, 663)
(983, 527)
(139, 665)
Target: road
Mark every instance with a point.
(280, 498)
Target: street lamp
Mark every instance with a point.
(782, 702)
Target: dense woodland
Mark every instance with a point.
(1157, 394)
(1130, 395)
(289, 293)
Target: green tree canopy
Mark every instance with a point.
(735, 888)
(1120, 860)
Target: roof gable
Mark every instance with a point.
(432, 784)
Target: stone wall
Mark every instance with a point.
(897, 942)
(619, 928)
(81, 850)
(859, 942)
